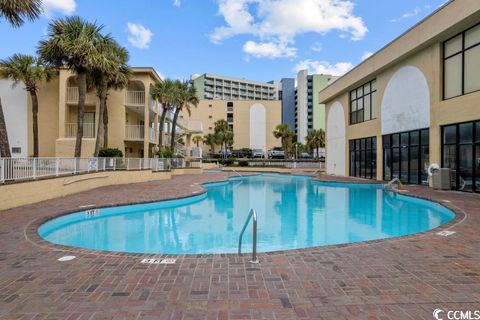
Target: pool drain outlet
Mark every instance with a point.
(66, 258)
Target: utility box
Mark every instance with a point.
(441, 179)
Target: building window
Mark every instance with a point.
(461, 63)
(461, 154)
(210, 117)
(362, 102)
(16, 150)
(406, 156)
(363, 158)
(209, 105)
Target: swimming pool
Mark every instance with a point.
(293, 212)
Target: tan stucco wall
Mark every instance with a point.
(47, 119)
(18, 194)
(241, 120)
(429, 62)
(55, 113)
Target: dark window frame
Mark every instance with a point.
(402, 149)
(461, 52)
(351, 113)
(358, 150)
(475, 143)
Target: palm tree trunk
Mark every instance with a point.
(102, 95)
(33, 96)
(105, 124)
(174, 126)
(4, 145)
(162, 128)
(82, 91)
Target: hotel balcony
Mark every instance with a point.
(88, 130)
(135, 98)
(137, 133)
(72, 96)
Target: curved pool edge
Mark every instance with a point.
(31, 229)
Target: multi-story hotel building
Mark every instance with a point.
(132, 116)
(414, 103)
(252, 109)
(211, 86)
(252, 122)
(309, 112)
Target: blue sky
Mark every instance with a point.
(255, 39)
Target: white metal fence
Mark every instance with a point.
(21, 169)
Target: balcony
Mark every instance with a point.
(153, 135)
(72, 96)
(135, 98)
(88, 130)
(134, 132)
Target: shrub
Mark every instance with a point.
(110, 153)
(243, 163)
(227, 162)
(165, 153)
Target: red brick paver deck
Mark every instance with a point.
(400, 278)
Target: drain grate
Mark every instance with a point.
(445, 233)
(66, 258)
(159, 261)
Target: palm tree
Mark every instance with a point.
(224, 136)
(76, 44)
(316, 140)
(116, 77)
(187, 97)
(31, 71)
(163, 92)
(15, 11)
(197, 140)
(4, 145)
(282, 131)
(210, 140)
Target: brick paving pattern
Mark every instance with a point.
(400, 278)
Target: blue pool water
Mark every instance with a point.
(293, 212)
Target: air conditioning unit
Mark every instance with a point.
(441, 179)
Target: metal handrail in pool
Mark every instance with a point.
(253, 213)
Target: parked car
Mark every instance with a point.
(239, 154)
(304, 155)
(258, 153)
(228, 153)
(276, 153)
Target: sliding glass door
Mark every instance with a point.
(406, 156)
(461, 153)
(363, 158)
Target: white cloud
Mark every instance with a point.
(139, 36)
(366, 55)
(324, 67)
(66, 7)
(177, 3)
(407, 15)
(270, 50)
(281, 21)
(317, 47)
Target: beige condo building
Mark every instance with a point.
(132, 116)
(414, 103)
(252, 121)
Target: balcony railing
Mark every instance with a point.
(134, 132)
(88, 130)
(153, 135)
(72, 96)
(135, 98)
